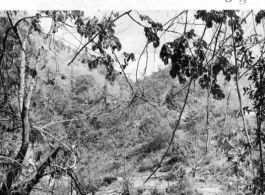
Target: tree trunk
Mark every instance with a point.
(25, 126)
(26, 187)
(15, 169)
(238, 90)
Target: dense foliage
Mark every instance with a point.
(83, 125)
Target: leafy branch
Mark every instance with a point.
(97, 34)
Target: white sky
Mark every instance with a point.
(131, 4)
(131, 35)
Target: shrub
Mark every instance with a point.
(165, 169)
(181, 150)
(182, 188)
(155, 191)
(126, 186)
(109, 180)
(154, 145)
(174, 159)
(148, 165)
(144, 168)
(140, 191)
(92, 187)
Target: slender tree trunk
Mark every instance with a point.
(22, 76)
(237, 87)
(195, 153)
(261, 156)
(259, 122)
(207, 119)
(227, 108)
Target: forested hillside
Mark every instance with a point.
(72, 121)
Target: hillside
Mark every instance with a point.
(110, 127)
(72, 122)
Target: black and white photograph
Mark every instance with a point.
(132, 97)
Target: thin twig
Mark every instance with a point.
(122, 70)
